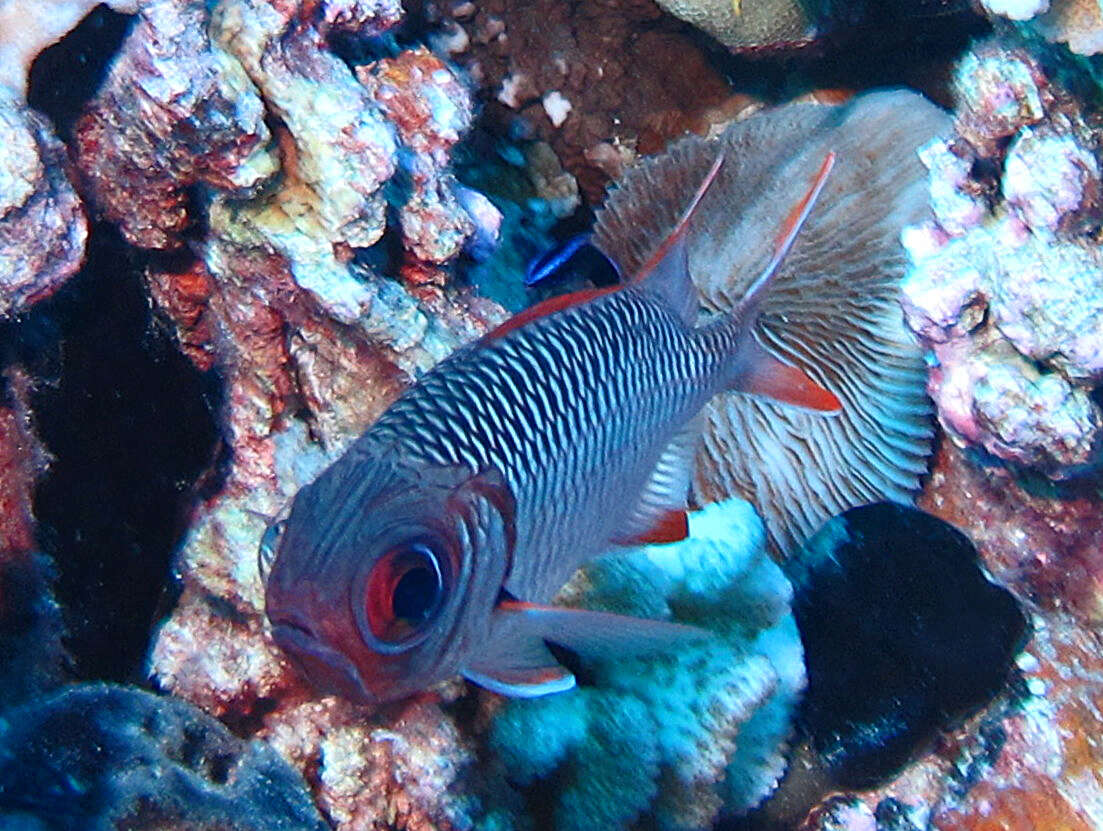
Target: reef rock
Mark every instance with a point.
(101, 757)
(1009, 299)
(42, 224)
(600, 82)
(25, 31)
(1078, 23)
(32, 657)
(669, 740)
(175, 111)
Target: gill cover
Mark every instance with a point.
(382, 570)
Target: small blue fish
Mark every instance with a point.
(556, 258)
(433, 546)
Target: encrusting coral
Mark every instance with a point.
(681, 738)
(1006, 292)
(100, 757)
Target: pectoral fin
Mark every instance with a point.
(602, 634)
(526, 669)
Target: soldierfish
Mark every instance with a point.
(433, 546)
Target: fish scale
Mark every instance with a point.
(594, 396)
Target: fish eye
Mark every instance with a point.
(405, 590)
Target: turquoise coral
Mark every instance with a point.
(682, 738)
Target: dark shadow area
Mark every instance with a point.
(131, 427)
(891, 44)
(65, 76)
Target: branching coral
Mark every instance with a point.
(681, 737)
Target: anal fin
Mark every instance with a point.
(660, 515)
(671, 525)
(524, 668)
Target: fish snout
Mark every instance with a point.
(326, 669)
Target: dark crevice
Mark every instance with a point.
(68, 74)
(131, 427)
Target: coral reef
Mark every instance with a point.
(800, 468)
(680, 738)
(1006, 293)
(1078, 23)
(42, 223)
(100, 757)
(301, 216)
(174, 112)
(600, 82)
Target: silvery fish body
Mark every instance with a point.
(432, 546)
(574, 410)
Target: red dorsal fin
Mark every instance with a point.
(787, 235)
(545, 308)
(679, 231)
(671, 525)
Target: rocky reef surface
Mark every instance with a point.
(231, 232)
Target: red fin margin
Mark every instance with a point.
(787, 233)
(682, 227)
(545, 308)
(670, 526)
(769, 377)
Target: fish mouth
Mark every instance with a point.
(326, 669)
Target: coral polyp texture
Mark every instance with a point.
(775, 25)
(1006, 290)
(671, 741)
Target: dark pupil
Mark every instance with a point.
(416, 594)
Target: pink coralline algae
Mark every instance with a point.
(1009, 298)
(310, 341)
(42, 223)
(430, 108)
